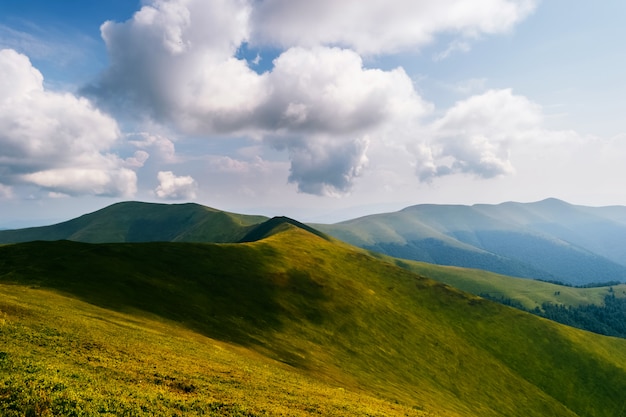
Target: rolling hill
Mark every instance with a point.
(529, 294)
(548, 240)
(600, 309)
(143, 222)
(255, 328)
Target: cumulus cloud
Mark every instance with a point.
(159, 145)
(58, 142)
(327, 90)
(475, 136)
(172, 187)
(381, 26)
(324, 166)
(171, 61)
(177, 62)
(138, 159)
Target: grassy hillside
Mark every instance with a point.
(529, 293)
(64, 357)
(330, 313)
(144, 222)
(548, 240)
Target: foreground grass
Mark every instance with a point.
(315, 314)
(63, 357)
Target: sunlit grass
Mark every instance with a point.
(60, 356)
(324, 328)
(529, 293)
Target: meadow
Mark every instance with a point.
(292, 324)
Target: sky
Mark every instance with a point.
(321, 111)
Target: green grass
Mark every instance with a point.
(530, 293)
(321, 311)
(144, 222)
(63, 357)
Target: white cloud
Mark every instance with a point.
(325, 109)
(381, 26)
(323, 166)
(169, 61)
(477, 135)
(172, 187)
(138, 159)
(160, 145)
(176, 61)
(55, 141)
(327, 90)
(74, 181)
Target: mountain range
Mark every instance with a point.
(289, 322)
(549, 240)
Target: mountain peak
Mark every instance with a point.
(135, 221)
(276, 225)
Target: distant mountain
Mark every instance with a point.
(549, 240)
(144, 222)
(289, 324)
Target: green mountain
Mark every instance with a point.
(291, 324)
(549, 240)
(144, 222)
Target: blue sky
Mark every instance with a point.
(320, 111)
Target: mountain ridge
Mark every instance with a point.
(334, 312)
(550, 240)
(135, 221)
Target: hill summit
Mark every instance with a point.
(549, 240)
(144, 222)
(277, 225)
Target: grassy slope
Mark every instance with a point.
(141, 222)
(347, 319)
(60, 356)
(529, 293)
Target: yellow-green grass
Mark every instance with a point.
(61, 356)
(337, 316)
(530, 293)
